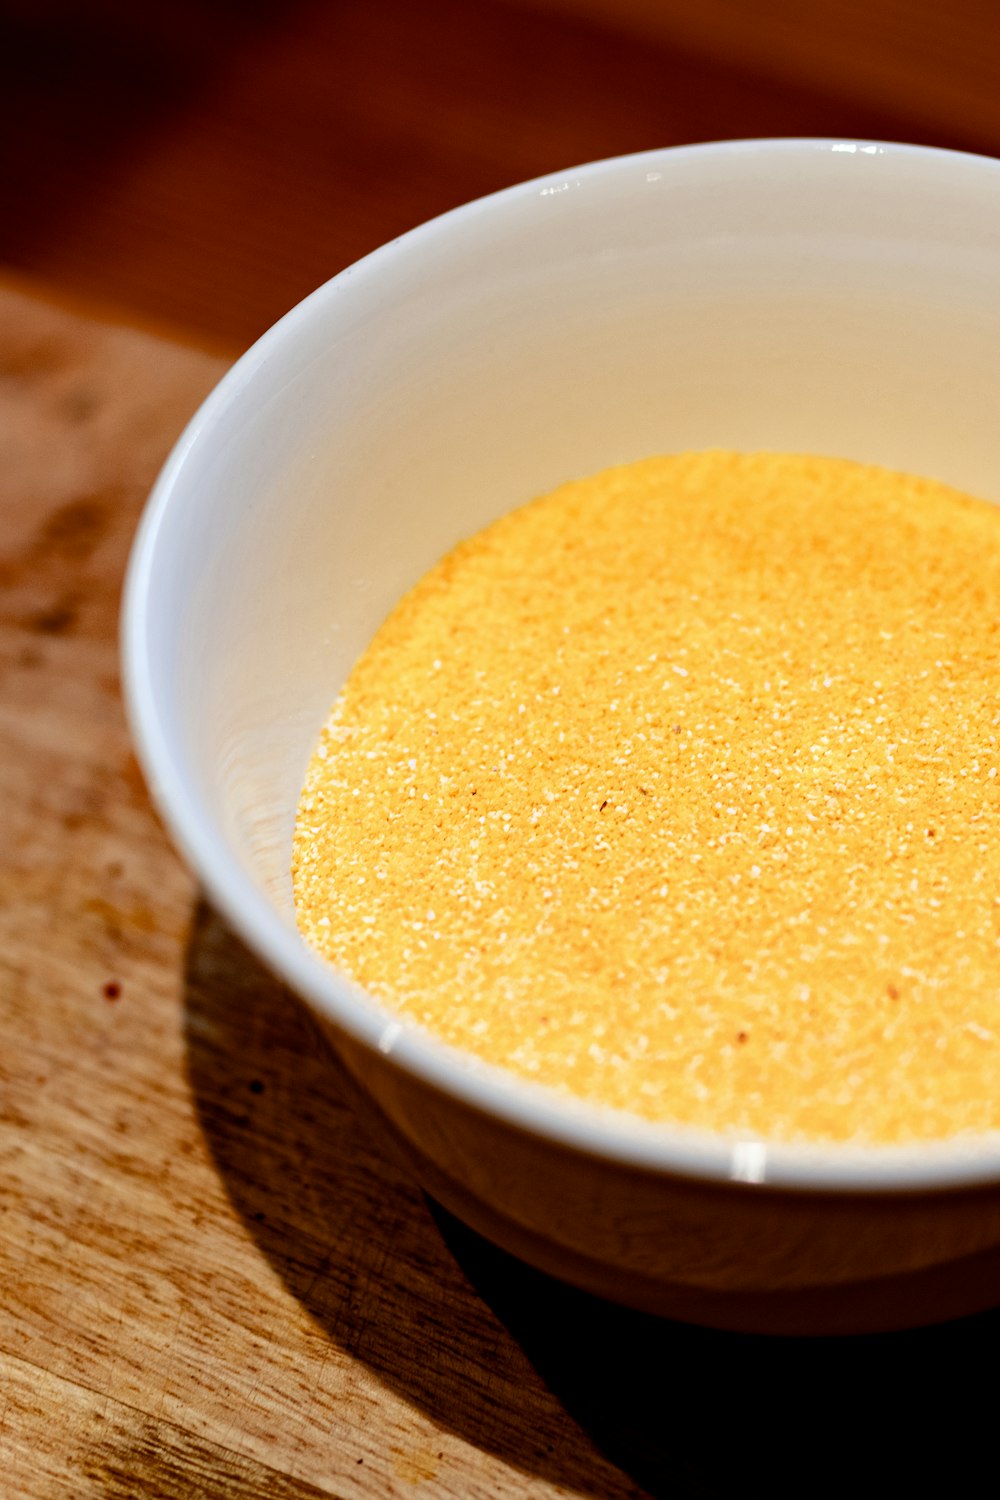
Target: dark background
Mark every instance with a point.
(203, 164)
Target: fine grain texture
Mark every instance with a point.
(677, 790)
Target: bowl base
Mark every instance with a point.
(885, 1304)
(949, 1289)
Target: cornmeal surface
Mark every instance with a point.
(677, 789)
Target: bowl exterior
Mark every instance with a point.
(731, 1255)
(818, 296)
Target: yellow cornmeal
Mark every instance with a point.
(677, 789)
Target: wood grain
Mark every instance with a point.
(210, 1280)
(213, 1282)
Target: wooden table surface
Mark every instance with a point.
(210, 163)
(212, 1282)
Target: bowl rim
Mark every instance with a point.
(737, 1160)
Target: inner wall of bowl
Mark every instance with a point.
(805, 298)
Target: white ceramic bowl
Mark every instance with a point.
(836, 297)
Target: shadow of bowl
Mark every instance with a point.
(555, 1382)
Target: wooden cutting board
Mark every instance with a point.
(212, 1282)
